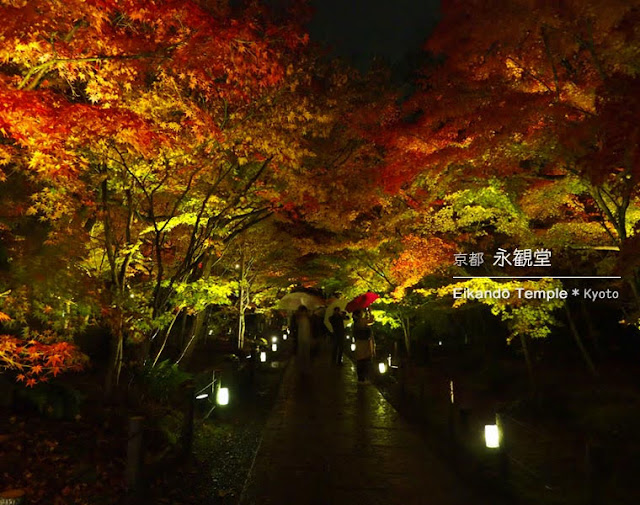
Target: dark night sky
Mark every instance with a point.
(363, 29)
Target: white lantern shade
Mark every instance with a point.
(382, 367)
(492, 436)
(263, 356)
(274, 347)
(223, 396)
(353, 347)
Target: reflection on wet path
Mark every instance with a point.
(331, 441)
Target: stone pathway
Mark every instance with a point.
(331, 441)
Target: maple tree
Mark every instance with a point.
(151, 136)
(532, 97)
(150, 143)
(525, 318)
(511, 137)
(509, 140)
(34, 361)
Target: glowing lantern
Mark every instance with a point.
(222, 398)
(263, 357)
(353, 347)
(382, 367)
(274, 339)
(284, 336)
(274, 347)
(202, 396)
(492, 436)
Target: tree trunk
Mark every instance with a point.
(190, 340)
(406, 332)
(634, 289)
(578, 339)
(201, 316)
(183, 329)
(243, 301)
(166, 337)
(527, 359)
(114, 366)
(593, 333)
(241, 328)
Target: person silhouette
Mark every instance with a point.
(365, 346)
(303, 354)
(337, 323)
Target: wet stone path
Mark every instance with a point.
(331, 441)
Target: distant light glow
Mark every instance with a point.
(353, 347)
(284, 336)
(439, 342)
(274, 347)
(492, 436)
(202, 396)
(382, 367)
(223, 396)
(263, 356)
(274, 339)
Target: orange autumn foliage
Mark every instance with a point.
(420, 257)
(33, 361)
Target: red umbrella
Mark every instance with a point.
(362, 301)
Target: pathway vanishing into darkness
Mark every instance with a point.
(331, 441)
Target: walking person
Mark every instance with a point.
(365, 346)
(337, 323)
(316, 333)
(303, 352)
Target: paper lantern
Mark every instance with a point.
(222, 397)
(492, 436)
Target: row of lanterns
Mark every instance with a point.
(274, 345)
(222, 394)
(492, 432)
